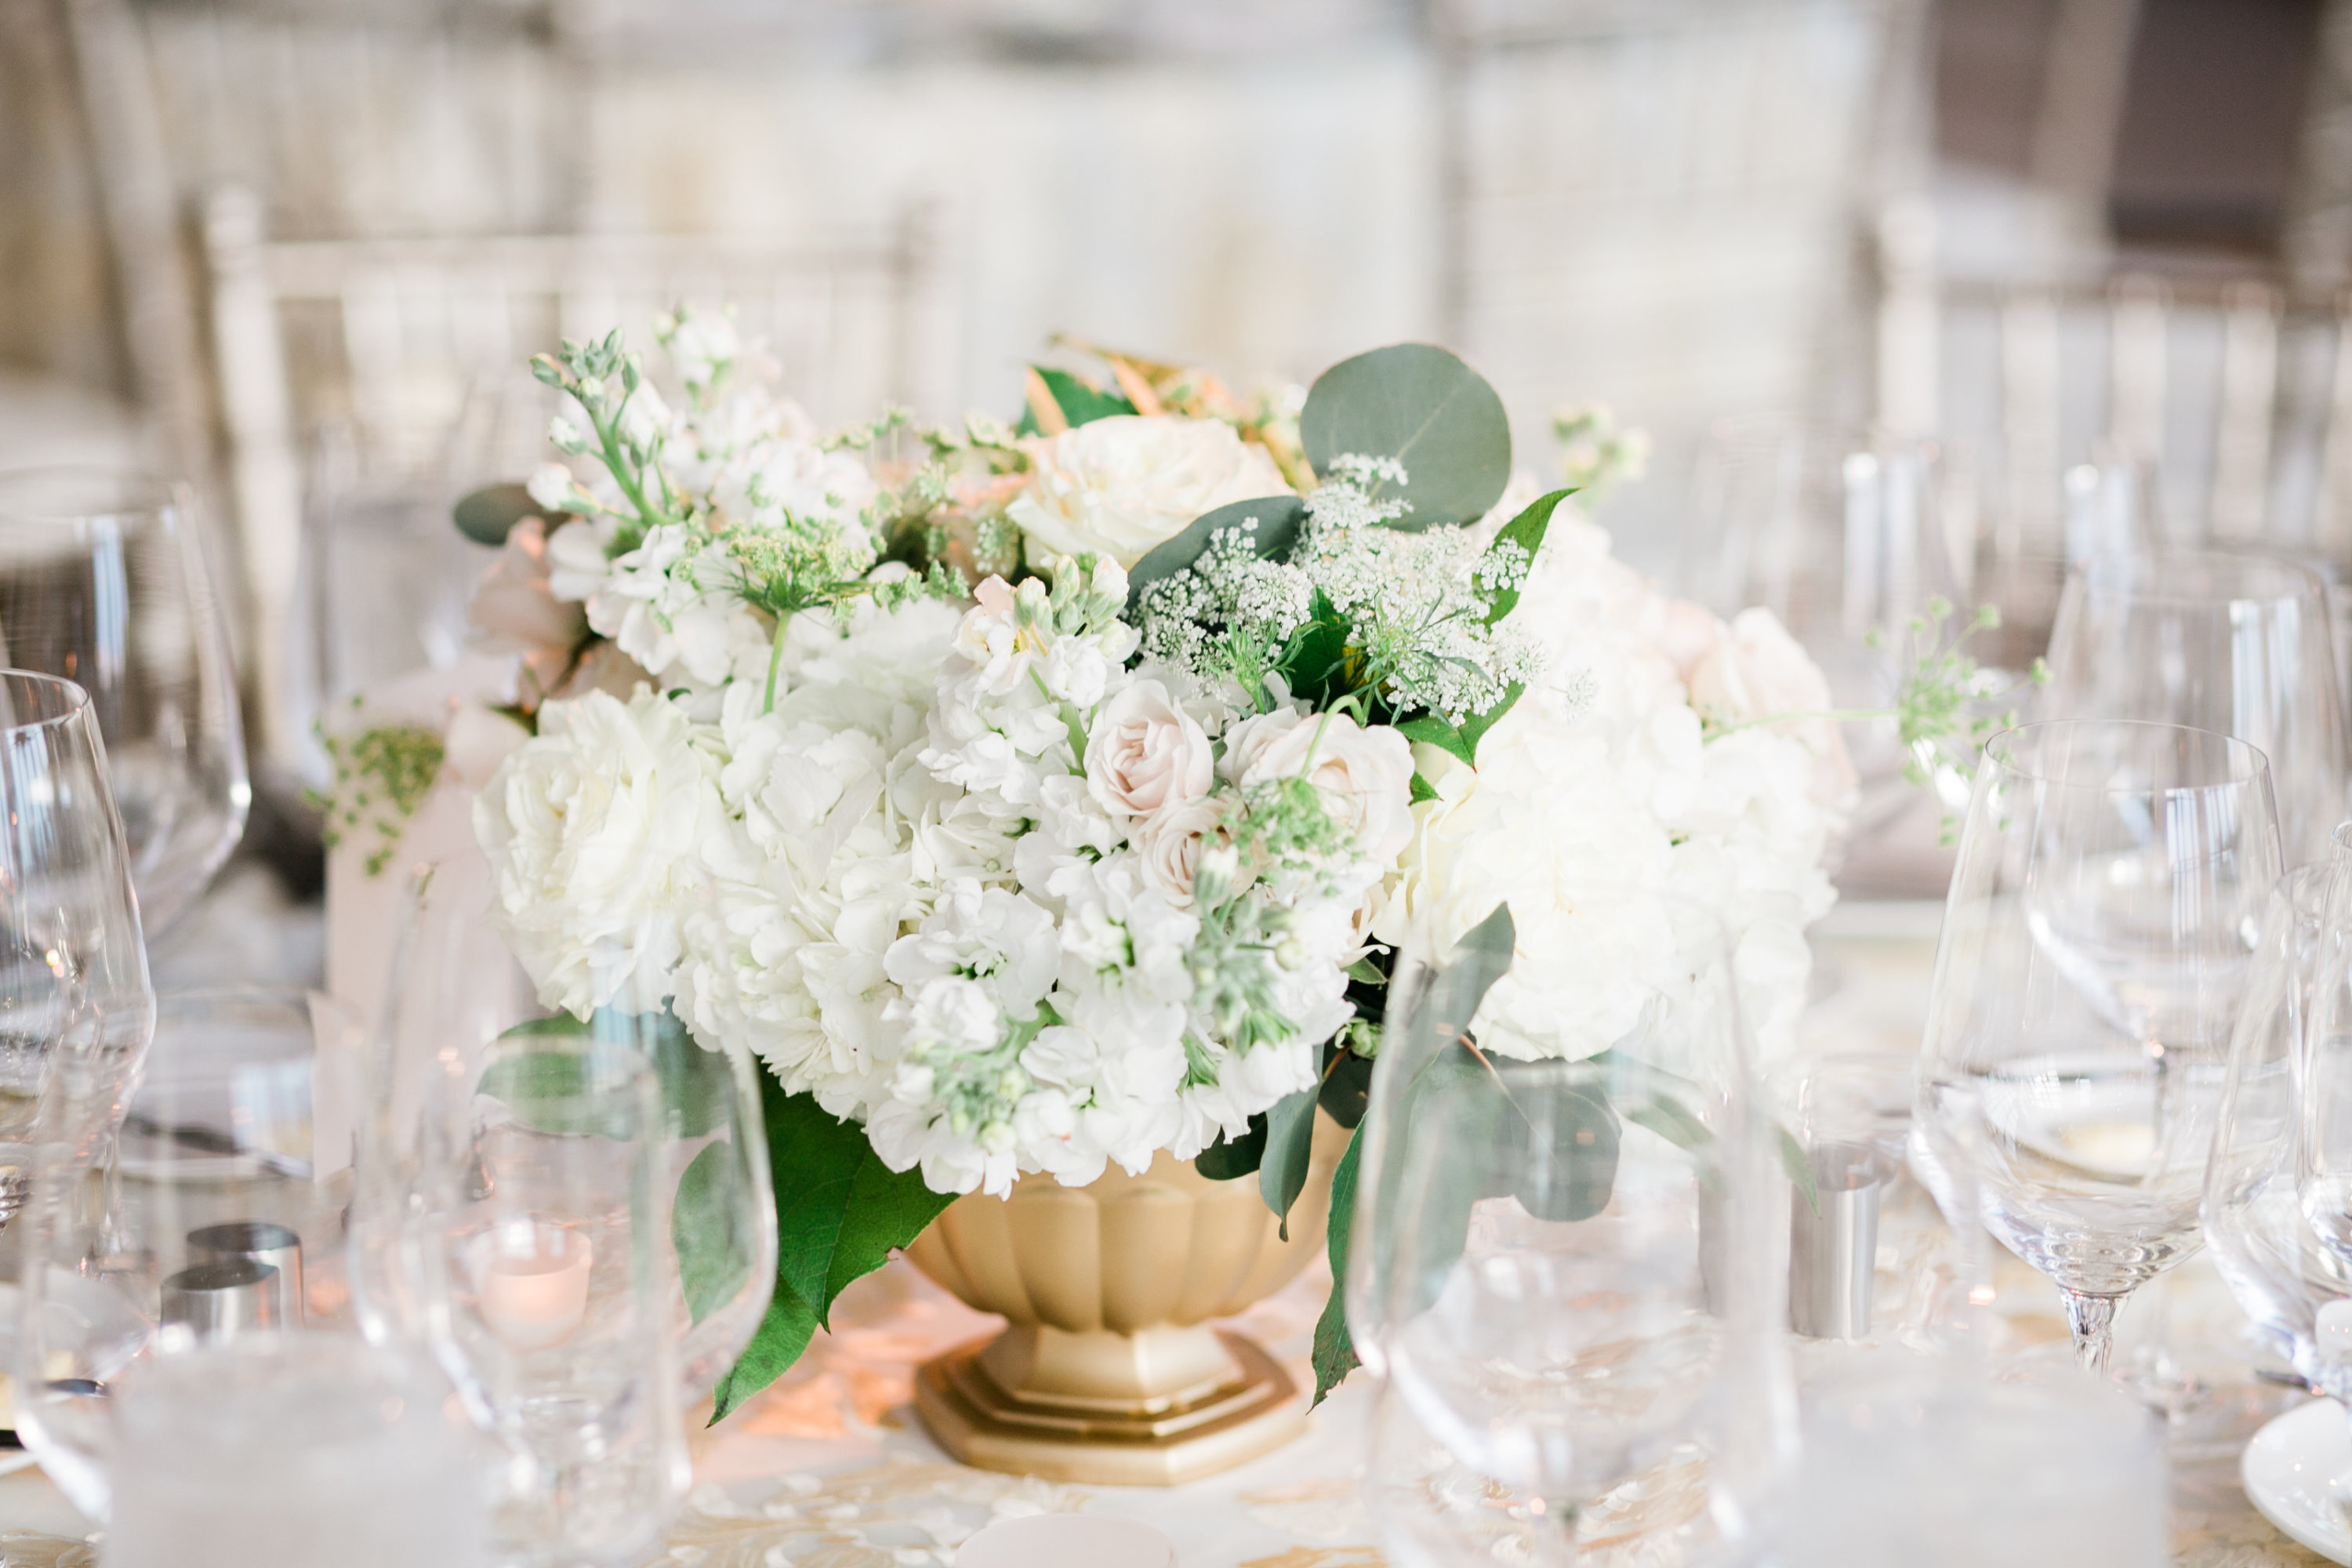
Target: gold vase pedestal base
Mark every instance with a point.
(1038, 1401)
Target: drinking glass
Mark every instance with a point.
(218, 1220)
(103, 581)
(538, 1261)
(2283, 1261)
(1561, 1266)
(2236, 643)
(457, 989)
(76, 1010)
(2096, 947)
(1839, 530)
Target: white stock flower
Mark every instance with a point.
(1145, 754)
(591, 828)
(998, 940)
(1117, 487)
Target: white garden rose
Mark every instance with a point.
(1117, 487)
(1146, 754)
(1364, 775)
(1169, 845)
(590, 829)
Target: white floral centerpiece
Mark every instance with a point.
(1056, 796)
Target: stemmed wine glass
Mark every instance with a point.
(538, 1255)
(1561, 1266)
(103, 581)
(2274, 1210)
(2239, 643)
(75, 1009)
(2097, 947)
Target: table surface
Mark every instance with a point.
(829, 1469)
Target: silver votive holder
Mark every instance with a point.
(272, 1246)
(1834, 1242)
(223, 1299)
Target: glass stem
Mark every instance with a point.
(1555, 1534)
(2093, 1318)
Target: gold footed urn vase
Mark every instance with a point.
(1109, 1373)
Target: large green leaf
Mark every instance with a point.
(1527, 531)
(1347, 1086)
(782, 1334)
(698, 1086)
(714, 1255)
(1230, 1159)
(1335, 1351)
(1280, 518)
(1421, 404)
(1082, 403)
(1289, 1150)
(1473, 729)
(840, 1213)
(1438, 732)
(839, 1210)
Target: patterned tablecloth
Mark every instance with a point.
(829, 1469)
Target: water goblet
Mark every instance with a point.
(103, 581)
(2095, 952)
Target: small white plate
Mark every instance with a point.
(2290, 1470)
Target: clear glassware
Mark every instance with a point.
(75, 1008)
(2233, 642)
(216, 1229)
(103, 581)
(457, 988)
(539, 1256)
(2275, 1254)
(1840, 531)
(1571, 1270)
(2097, 947)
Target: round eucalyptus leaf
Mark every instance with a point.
(1280, 518)
(1421, 404)
(489, 513)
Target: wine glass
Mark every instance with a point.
(2270, 1210)
(2237, 643)
(216, 1229)
(456, 987)
(103, 581)
(1559, 1266)
(1840, 531)
(538, 1253)
(75, 1009)
(2096, 947)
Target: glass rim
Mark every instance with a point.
(2116, 571)
(130, 492)
(2000, 750)
(55, 689)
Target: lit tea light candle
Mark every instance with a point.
(535, 1286)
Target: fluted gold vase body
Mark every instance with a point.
(1109, 1372)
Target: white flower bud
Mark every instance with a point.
(551, 486)
(566, 436)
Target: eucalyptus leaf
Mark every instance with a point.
(1569, 1162)
(1335, 1349)
(714, 1255)
(1289, 1149)
(487, 515)
(1421, 404)
(1280, 518)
